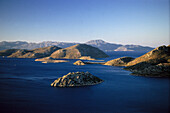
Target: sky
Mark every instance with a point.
(141, 22)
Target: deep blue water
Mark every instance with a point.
(25, 88)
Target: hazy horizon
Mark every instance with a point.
(142, 22)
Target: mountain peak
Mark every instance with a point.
(98, 41)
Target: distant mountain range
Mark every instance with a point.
(77, 51)
(104, 46)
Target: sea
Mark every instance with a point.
(25, 88)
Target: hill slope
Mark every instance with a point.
(155, 63)
(35, 53)
(158, 55)
(119, 61)
(77, 51)
(7, 52)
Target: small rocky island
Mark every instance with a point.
(74, 79)
(79, 62)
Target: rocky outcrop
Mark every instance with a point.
(73, 79)
(35, 53)
(77, 51)
(79, 62)
(86, 58)
(155, 63)
(50, 60)
(146, 69)
(119, 61)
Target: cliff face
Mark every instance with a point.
(77, 51)
(35, 53)
(156, 56)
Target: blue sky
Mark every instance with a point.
(144, 22)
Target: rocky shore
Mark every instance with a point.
(146, 69)
(74, 79)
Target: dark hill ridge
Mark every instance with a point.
(77, 51)
(35, 53)
(102, 45)
(8, 52)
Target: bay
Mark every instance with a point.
(25, 88)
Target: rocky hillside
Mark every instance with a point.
(77, 51)
(156, 56)
(119, 61)
(155, 63)
(102, 45)
(150, 70)
(35, 53)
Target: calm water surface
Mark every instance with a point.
(25, 88)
